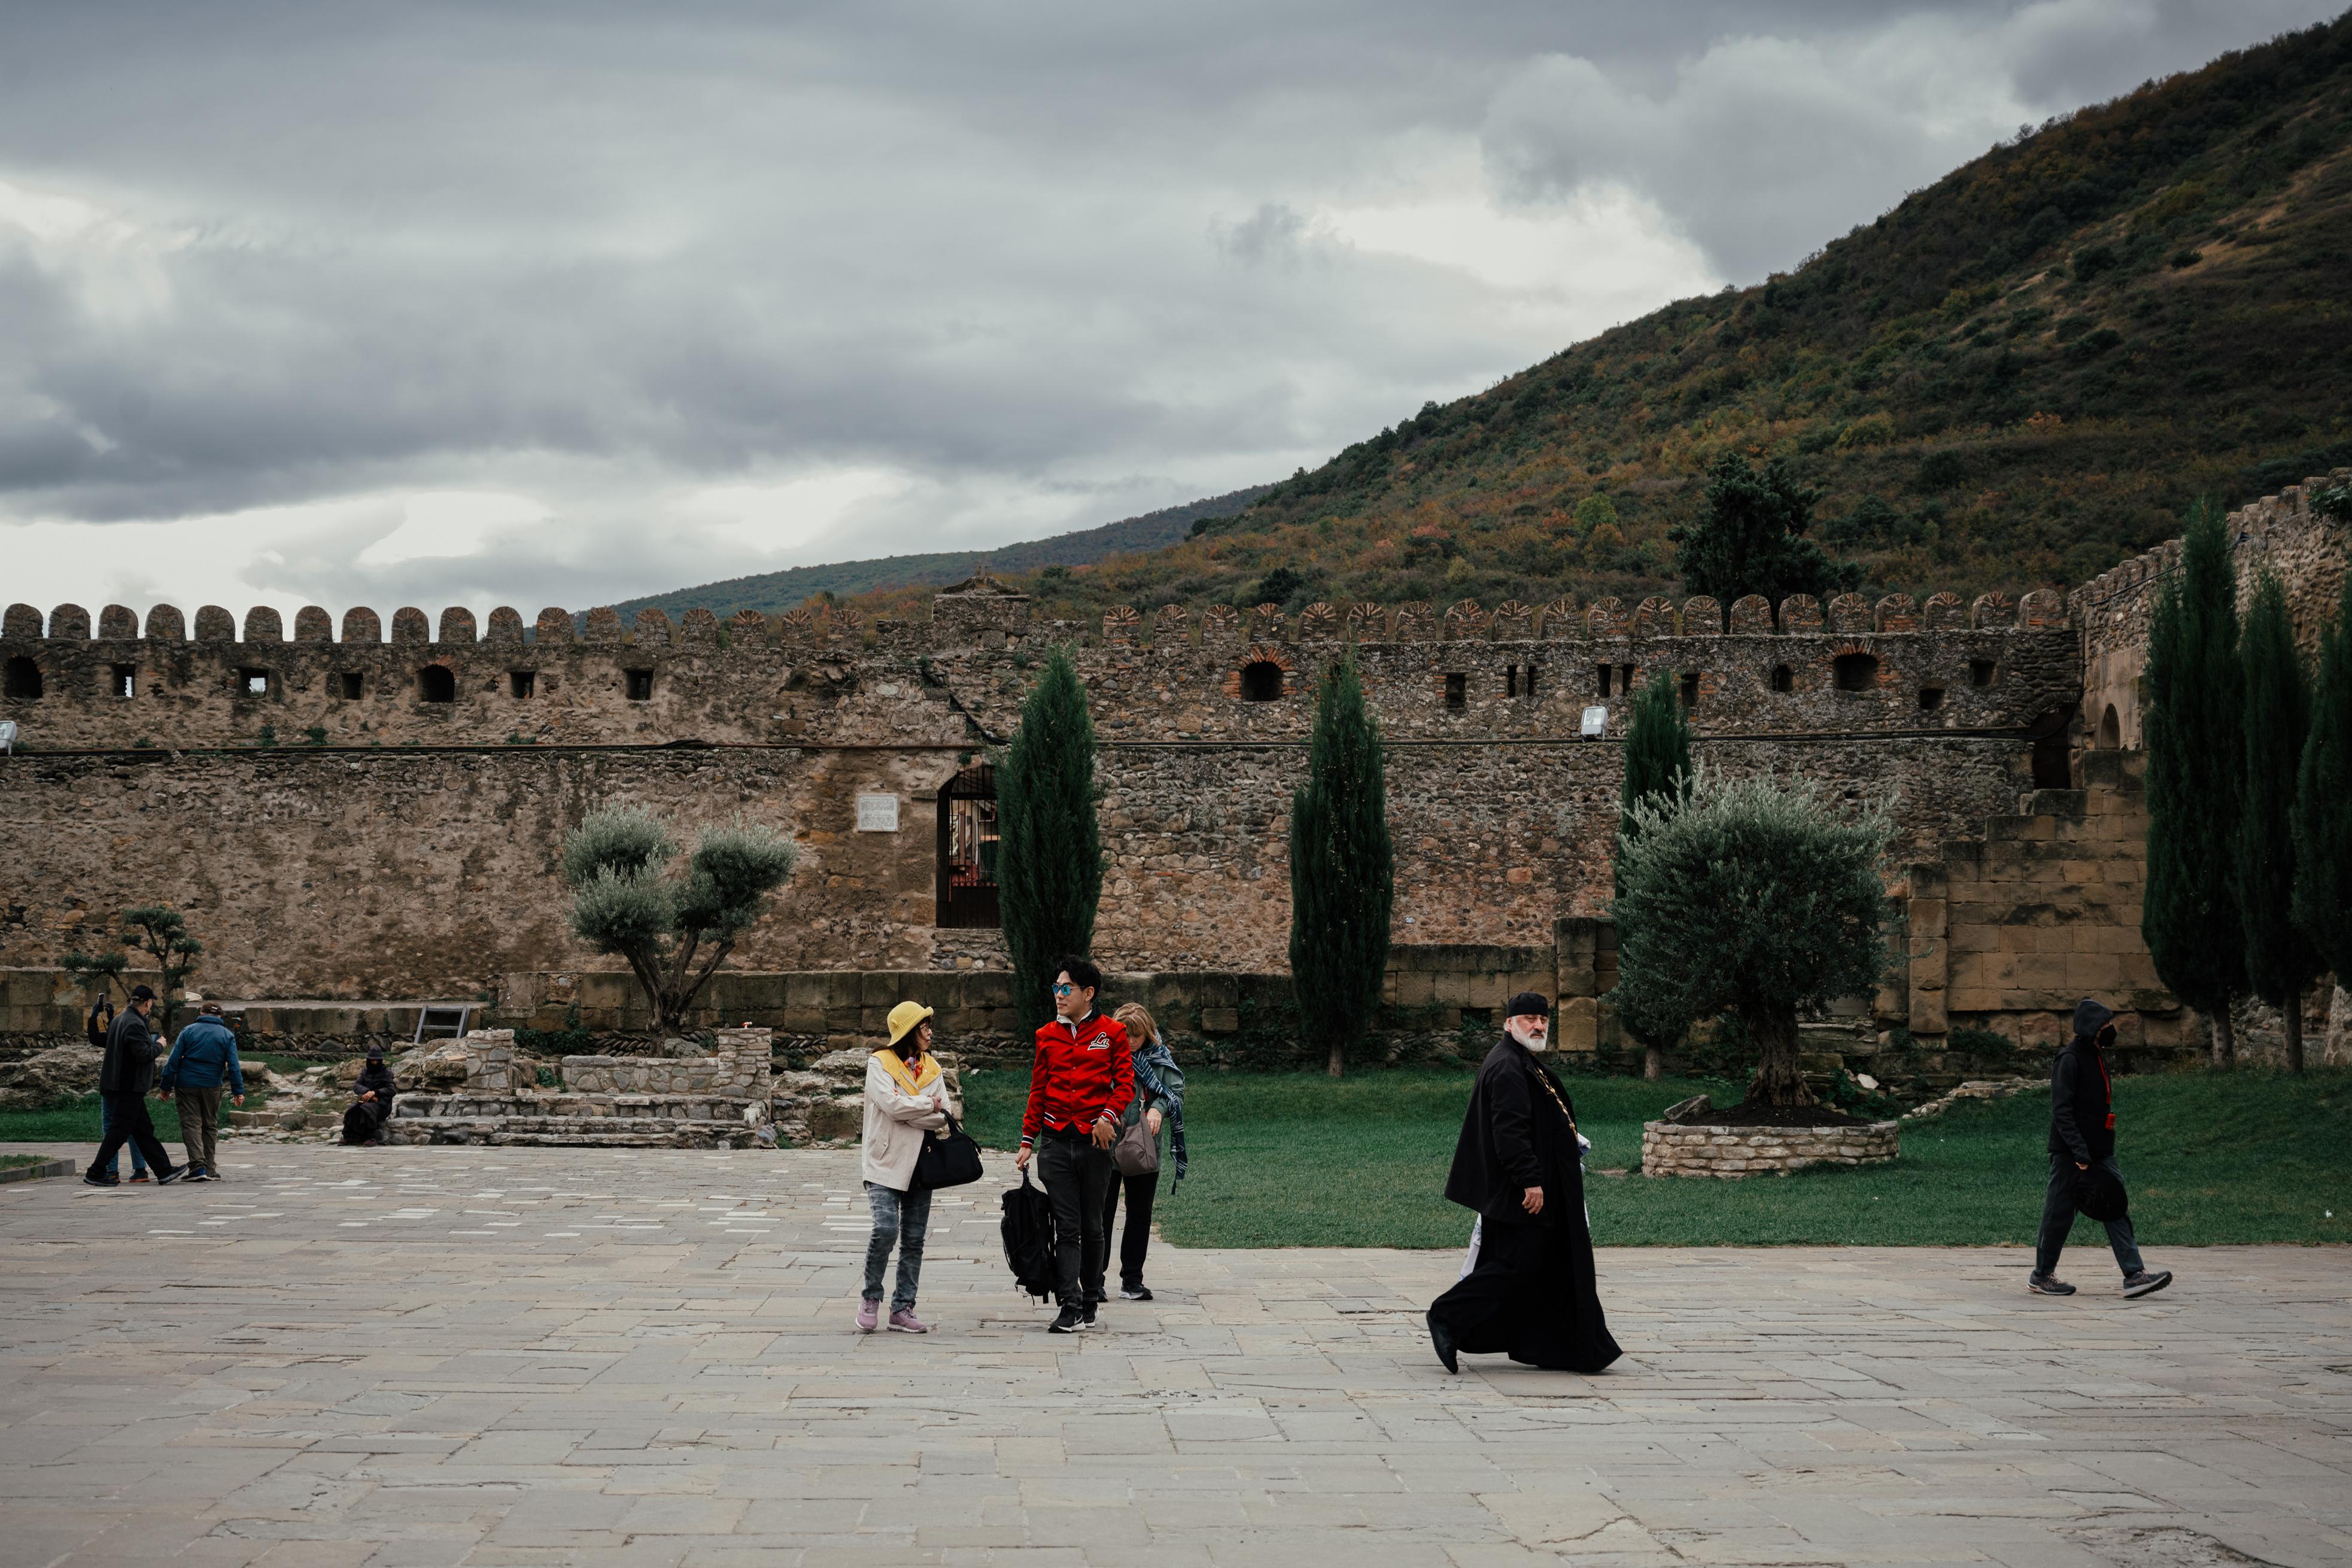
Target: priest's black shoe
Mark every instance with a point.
(1443, 1342)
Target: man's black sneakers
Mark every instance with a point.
(2146, 1284)
(1087, 1318)
(1443, 1342)
(165, 1178)
(89, 1180)
(1067, 1322)
(1134, 1293)
(2048, 1285)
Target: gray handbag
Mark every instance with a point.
(1137, 1153)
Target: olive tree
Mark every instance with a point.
(674, 927)
(1755, 896)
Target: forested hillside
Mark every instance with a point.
(2016, 378)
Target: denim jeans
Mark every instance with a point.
(105, 1127)
(2058, 1219)
(901, 1218)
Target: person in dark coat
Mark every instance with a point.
(363, 1122)
(124, 1079)
(1532, 1295)
(2083, 1141)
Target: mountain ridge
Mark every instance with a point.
(771, 593)
(2015, 378)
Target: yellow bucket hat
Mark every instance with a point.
(904, 1018)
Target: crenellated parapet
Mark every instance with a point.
(831, 676)
(2280, 534)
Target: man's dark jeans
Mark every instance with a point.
(1136, 1240)
(1077, 1175)
(2058, 1219)
(127, 1122)
(105, 1126)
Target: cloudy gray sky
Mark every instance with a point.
(394, 303)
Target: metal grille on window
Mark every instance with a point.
(968, 846)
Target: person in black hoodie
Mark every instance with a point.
(2083, 1149)
(124, 1079)
(1532, 1295)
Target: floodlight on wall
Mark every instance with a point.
(1596, 720)
(8, 737)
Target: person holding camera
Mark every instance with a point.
(2083, 1155)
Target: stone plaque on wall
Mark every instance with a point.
(877, 813)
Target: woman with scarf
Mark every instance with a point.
(1158, 1103)
(363, 1122)
(1532, 1295)
(907, 1100)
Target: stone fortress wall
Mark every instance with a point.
(351, 818)
(401, 842)
(2280, 533)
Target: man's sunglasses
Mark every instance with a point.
(1065, 990)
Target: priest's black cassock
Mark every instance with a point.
(363, 1122)
(1532, 1296)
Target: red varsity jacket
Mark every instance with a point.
(1080, 1073)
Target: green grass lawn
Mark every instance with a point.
(9, 1160)
(76, 1121)
(1296, 1160)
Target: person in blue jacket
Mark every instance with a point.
(201, 1058)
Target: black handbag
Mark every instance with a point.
(2099, 1196)
(949, 1158)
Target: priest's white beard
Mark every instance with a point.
(1521, 1033)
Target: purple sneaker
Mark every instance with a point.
(868, 1313)
(906, 1322)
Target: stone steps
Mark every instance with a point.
(571, 1132)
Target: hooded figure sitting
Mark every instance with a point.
(363, 1122)
(1532, 1294)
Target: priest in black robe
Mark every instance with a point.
(372, 1108)
(1531, 1295)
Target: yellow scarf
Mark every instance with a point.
(915, 1082)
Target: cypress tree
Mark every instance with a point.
(1657, 770)
(2281, 962)
(1342, 870)
(2196, 771)
(1049, 854)
(2323, 827)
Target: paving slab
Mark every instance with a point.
(466, 1356)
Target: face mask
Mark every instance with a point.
(1518, 1031)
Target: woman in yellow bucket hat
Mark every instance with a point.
(907, 1099)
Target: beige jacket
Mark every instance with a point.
(896, 1124)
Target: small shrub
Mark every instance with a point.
(2094, 260)
(316, 734)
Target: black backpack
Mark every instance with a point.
(1029, 1241)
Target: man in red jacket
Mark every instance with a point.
(1079, 1087)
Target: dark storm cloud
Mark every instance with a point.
(1022, 268)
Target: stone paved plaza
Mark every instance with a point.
(451, 1355)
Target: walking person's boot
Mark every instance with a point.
(1444, 1345)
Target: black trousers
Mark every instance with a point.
(127, 1122)
(2058, 1220)
(1076, 1173)
(1137, 1238)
